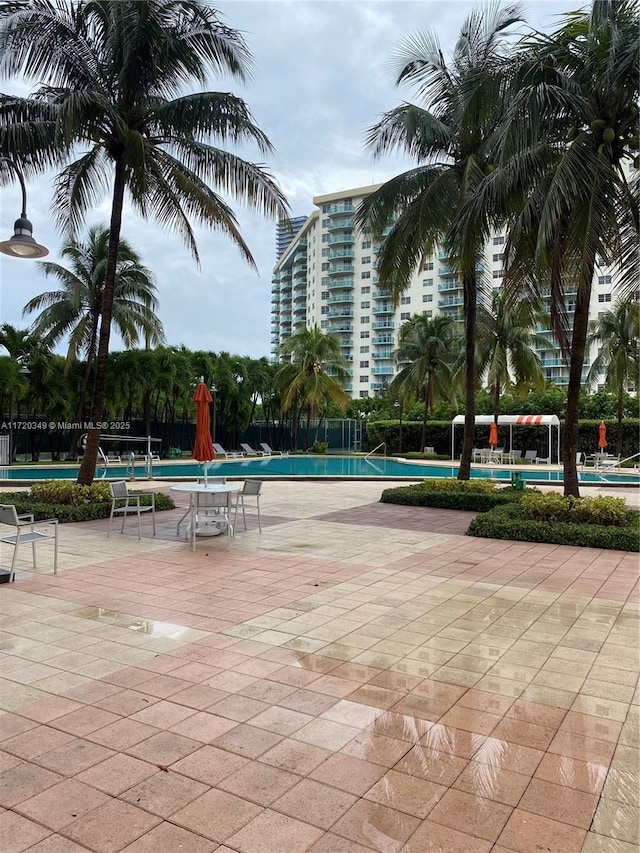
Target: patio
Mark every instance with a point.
(358, 677)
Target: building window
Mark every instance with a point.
(405, 300)
(427, 282)
(364, 335)
(365, 274)
(325, 267)
(324, 324)
(365, 319)
(604, 279)
(325, 222)
(428, 265)
(427, 297)
(325, 253)
(324, 309)
(324, 294)
(604, 297)
(325, 238)
(498, 241)
(364, 393)
(498, 273)
(325, 208)
(405, 315)
(366, 259)
(364, 379)
(429, 313)
(499, 257)
(364, 364)
(364, 350)
(366, 244)
(366, 289)
(365, 304)
(325, 280)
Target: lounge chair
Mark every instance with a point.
(267, 451)
(249, 451)
(220, 451)
(530, 455)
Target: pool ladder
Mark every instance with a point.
(382, 444)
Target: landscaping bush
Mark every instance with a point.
(509, 522)
(68, 493)
(610, 512)
(470, 495)
(319, 447)
(24, 502)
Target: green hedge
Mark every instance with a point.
(508, 522)
(470, 495)
(524, 438)
(66, 513)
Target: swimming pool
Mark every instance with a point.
(357, 467)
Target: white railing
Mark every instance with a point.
(371, 452)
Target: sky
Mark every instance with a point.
(321, 78)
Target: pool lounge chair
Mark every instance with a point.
(530, 455)
(249, 451)
(220, 451)
(267, 451)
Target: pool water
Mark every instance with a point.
(357, 467)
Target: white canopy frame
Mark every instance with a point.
(548, 421)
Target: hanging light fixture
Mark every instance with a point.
(22, 244)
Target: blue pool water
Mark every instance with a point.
(311, 466)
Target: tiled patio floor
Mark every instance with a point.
(357, 677)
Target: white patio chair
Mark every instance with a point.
(220, 451)
(249, 496)
(268, 451)
(530, 455)
(9, 516)
(132, 506)
(212, 510)
(199, 480)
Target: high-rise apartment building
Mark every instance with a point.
(286, 231)
(327, 276)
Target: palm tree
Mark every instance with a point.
(114, 81)
(505, 347)
(313, 376)
(617, 333)
(452, 139)
(572, 129)
(76, 309)
(425, 357)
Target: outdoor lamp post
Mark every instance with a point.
(213, 390)
(398, 405)
(22, 244)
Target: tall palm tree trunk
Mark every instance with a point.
(425, 413)
(88, 465)
(75, 433)
(470, 306)
(578, 346)
(620, 413)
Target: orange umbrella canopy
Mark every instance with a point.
(493, 434)
(203, 446)
(602, 435)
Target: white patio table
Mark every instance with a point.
(206, 525)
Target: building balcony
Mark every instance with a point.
(382, 371)
(346, 342)
(383, 339)
(340, 207)
(383, 324)
(340, 223)
(340, 326)
(553, 362)
(445, 271)
(382, 354)
(340, 268)
(339, 283)
(450, 302)
(340, 312)
(341, 297)
(336, 239)
(300, 271)
(341, 253)
(449, 285)
(299, 309)
(383, 309)
(382, 294)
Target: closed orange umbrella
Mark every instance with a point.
(203, 446)
(493, 434)
(602, 435)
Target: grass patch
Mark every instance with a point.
(514, 522)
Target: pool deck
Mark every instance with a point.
(358, 677)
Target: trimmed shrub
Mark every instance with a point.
(508, 522)
(469, 495)
(66, 513)
(606, 511)
(68, 493)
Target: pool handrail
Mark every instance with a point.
(382, 444)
